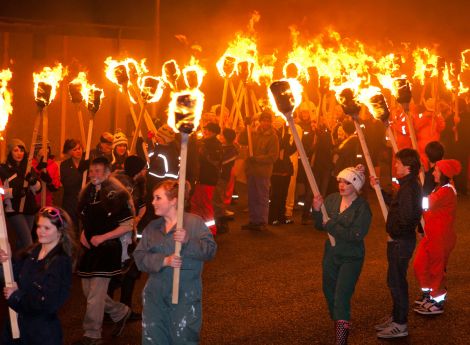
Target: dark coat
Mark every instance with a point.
(71, 179)
(43, 287)
(405, 210)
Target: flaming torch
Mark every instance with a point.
(346, 97)
(377, 105)
(93, 97)
(46, 83)
(285, 95)
(77, 89)
(171, 72)
(226, 67)
(151, 91)
(184, 113)
(6, 109)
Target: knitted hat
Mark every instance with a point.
(449, 167)
(15, 142)
(119, 139)
(212, 127)
(166, 133)
(133, 165)
(106, 138)
(355, 176)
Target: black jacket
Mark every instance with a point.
(210, 158)
(405, 210)
(71, 179)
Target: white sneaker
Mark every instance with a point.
(430, 308)
(385, 324)
(395, 330)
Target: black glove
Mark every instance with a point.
(84, 165)
(41, 165)
(19, 193)
(31, 178)
(45, 177)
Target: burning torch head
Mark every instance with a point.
(380, 108)
(43, 94)
(283, 96)
(229, 65)
(151, 89)
(403, 90)
(347, 100)
(244, 70)
(171, 72)
(185, 111)
(94, 100)
(75, 90)
(133, 71)
(192, 79)
(121, 74)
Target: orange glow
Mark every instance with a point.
(78, 88)
(299, 60)
(46, 83)
(193, 74)
(94, 98)
(6, 98)
(185, 109)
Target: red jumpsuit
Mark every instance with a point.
(432, 253)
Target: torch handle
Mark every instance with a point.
(148, 120)
(45, 127)
(391, 137)
(255, 101)
(180, 212)
(308, 169)
(235, 106)
(222, 104)
(414, 141)
(80, 122)
(371, 168)
(8, 270)
(31, 155)
(88, 147)
(137, 129)
(131, 106)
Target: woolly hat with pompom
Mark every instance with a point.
(355, 176)
(449, 167)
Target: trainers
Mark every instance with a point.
(430, 308)
(395, 330)
(423, 299)
(228, 213)
(383, 325)
(119, 325)
(88, 341)
(289, 221)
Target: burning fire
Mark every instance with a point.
(425, 64)
(124, 72)
(193, 74)
(78, 88)
(6, 98)
(93, 98)
(171, 72)
(46, 83)
(185, 109)
(285, 96)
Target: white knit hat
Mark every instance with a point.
(119, 139)
(355, 176)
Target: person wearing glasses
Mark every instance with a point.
(43, 279)
(162, 321)
(349, 221)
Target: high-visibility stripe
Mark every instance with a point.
(210, 223)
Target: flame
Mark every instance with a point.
(226, 65)
(171, 72)
(6, 98)
(124, 72)
(301, 58)
(425, 64)
(243, 50)
(294, 93)
(193, 74)
(78, 88)
(185, 109)
(93, 98)
(151, 88)
(46, 83)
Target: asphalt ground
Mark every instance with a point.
(265, 288)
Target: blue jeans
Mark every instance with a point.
(258, 199)
(399, 253)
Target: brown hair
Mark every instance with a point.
(171, 188)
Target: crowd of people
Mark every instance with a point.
(117, 215)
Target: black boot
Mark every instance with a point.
(342, 332)
(222, 225)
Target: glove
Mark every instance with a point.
(84, 165)
(41, 165)
(31, 178)
(45, 177)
